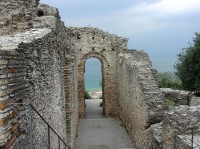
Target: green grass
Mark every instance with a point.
(170, 103)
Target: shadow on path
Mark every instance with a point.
(97, 132)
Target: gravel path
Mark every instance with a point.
(98, 132)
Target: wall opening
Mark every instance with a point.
(93, 84)
(105, 109)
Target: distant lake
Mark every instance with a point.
(93, 74)
(164, 65)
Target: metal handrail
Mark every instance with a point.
(30, 108)
(174, 137)
(49, 127)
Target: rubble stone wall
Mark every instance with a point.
(38, 67)
(132, 107)
(43, 63)
(13, 88)
(179, 97)
(180, 121)
(92, 42)
(137, 93)
(17, 15)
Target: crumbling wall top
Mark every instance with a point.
(21, 15)
(95, 32)
(93, 39)
(133, 55)
(183, 117)
(10, 43)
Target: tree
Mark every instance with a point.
(86, 95)
(188, 66)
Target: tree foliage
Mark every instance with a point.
(168, 80)
(188, 65)
(86, 95)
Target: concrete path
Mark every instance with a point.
(98, 132)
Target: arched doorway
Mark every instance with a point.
(81, 83)
(93, 88)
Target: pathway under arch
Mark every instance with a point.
(81, 70)
(97, 132)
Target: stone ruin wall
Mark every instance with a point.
(132, 107)
(17, 15)
(140, 103)
(93, 42)
(32, 66)
(44, 64)
(179, 121)
(130, 89)
(53, 88)
(182, 114)
(178, 97)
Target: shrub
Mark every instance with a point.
(169, 80)
(86, 95)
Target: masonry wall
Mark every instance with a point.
(13, 88)
(44, 78)
(133, 109)
(180, 121)
(92, 42)
(137, 93)
(43, 63)
(17, 15)
(38, 68)
(179, 97)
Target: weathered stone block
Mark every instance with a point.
(3, 81)
(3, 61)
(3, 93)
(4, 103)
(179, 97)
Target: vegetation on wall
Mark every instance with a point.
(188, 66)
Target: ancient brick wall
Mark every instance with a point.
(37, 67)
(178, 97)
(180, 121)
(92, 42)
(42, 80)
(139, 99)
(43, 64)
(16, 15)
(13, 88)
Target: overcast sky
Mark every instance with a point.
(159, 27)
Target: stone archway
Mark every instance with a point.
(92, 42)
(81, 68)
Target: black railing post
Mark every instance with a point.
(30, 127)
(49, 143)
(49, 128)
(58, 142)
(174, 142)
(192, 138)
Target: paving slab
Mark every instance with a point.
(97, 132)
